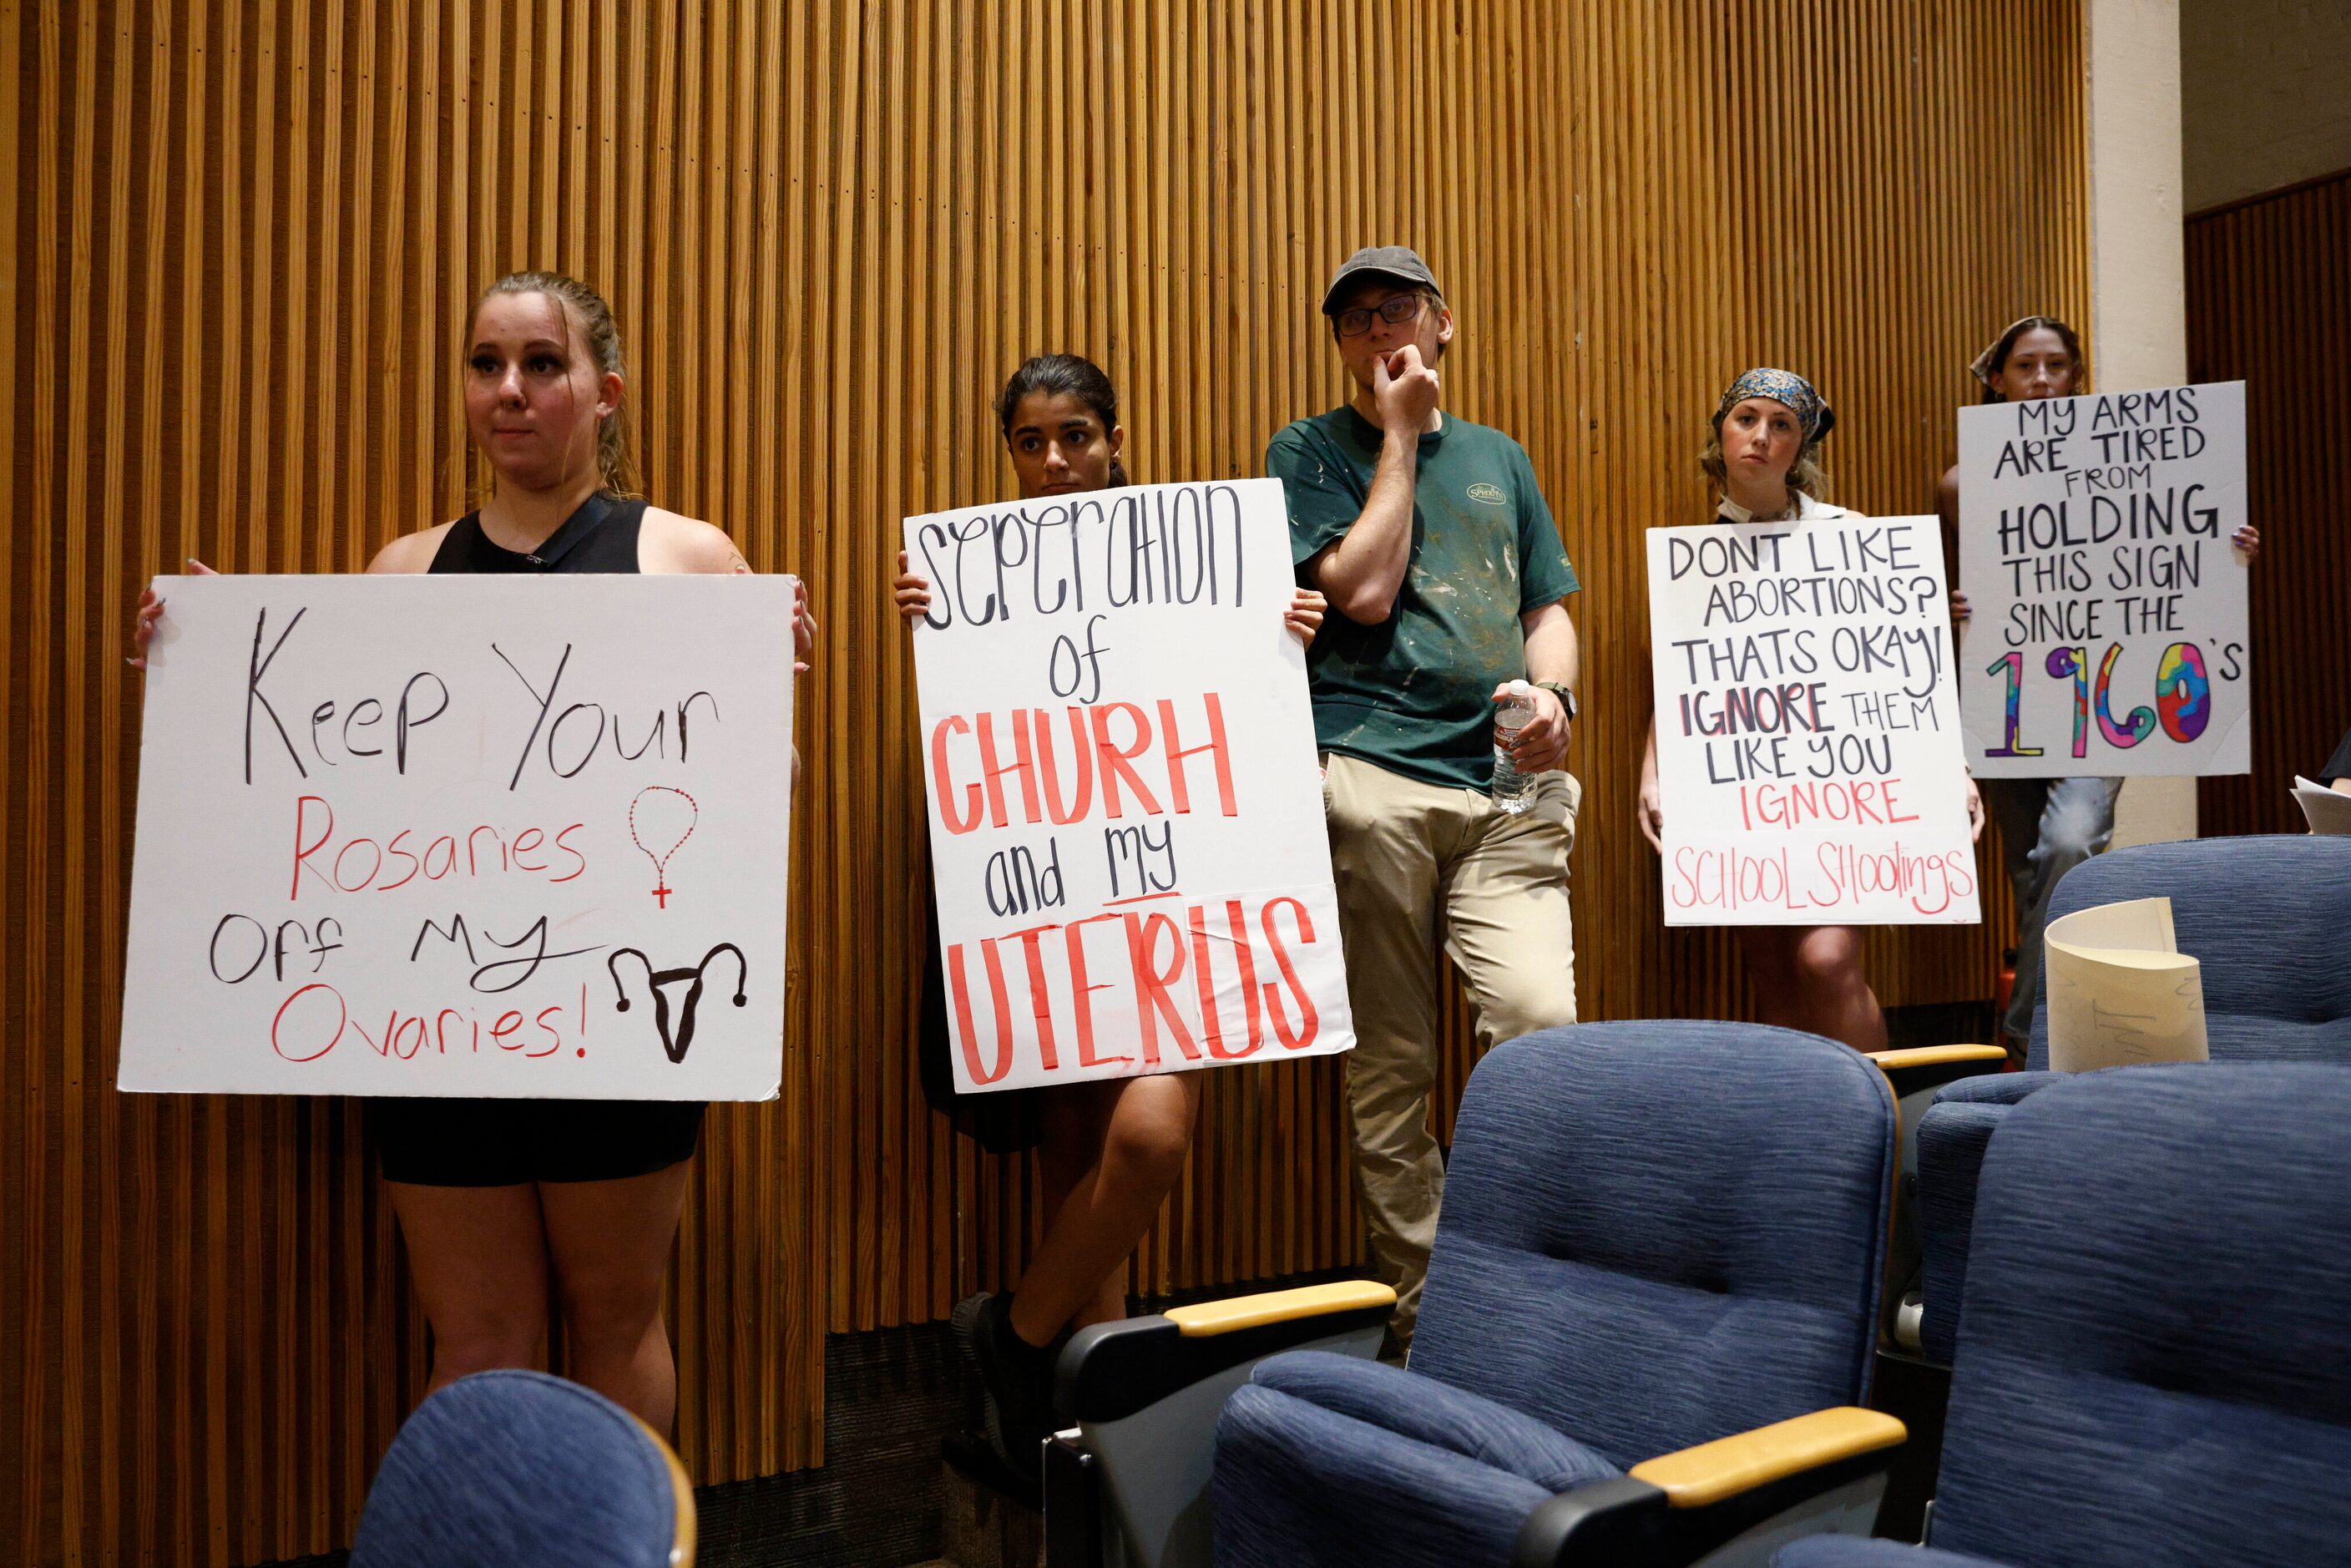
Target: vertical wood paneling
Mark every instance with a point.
(2266, 305)
(245, 235)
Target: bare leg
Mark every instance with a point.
(610, 1241)
(478, 1255)
(1077, 1120)
(1077, 1275)
(1810, 978)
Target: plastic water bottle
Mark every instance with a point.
(1513, 792)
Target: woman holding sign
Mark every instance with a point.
(1765, 460)
(2047, 826)
(502, 1201)
(1109, 1150)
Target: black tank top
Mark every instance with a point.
(601, 536)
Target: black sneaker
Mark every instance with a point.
(1017, 1377)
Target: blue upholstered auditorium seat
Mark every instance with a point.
(523, 1471)
(2155, 1356)
(1654, 1235)
(2265, 915)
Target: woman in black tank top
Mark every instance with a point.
(501, 1201)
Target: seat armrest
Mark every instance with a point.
(1711, 1472)
(1146, 1395)
(686, 1523)
(1924, 1067)
(1110, 1371)
(1679, 1507)
(1207, 1318)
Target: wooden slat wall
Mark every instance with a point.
(2266, 303)
(244, 233)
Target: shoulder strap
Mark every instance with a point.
(591, 517)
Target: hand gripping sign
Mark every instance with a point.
(1808, 748)
(463, 835)
(2107, 631)
(1126, 815)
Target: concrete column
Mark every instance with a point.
(2138, 318)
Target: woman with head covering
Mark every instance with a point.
(2047, 826)
(1764, 459)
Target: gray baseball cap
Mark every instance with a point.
(1399, 262)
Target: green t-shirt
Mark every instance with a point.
(1414, 694)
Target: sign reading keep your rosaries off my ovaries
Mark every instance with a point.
(463, 835)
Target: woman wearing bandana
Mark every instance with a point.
(2047, 826)
(1765, 460)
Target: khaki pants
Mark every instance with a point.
(1410, 860)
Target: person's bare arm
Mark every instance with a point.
(1362, 572)
(1552, 655)
(409, 553)
(149, 615)
(913, 590)
(1650, 809)
(688, 547)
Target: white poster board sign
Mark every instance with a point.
(1126, 813)
(1808, 743)
(2106, 604)
(463, 835)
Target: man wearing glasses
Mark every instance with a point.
(1431, 538)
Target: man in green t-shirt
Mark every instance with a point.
(1431, 538)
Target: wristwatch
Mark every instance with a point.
(1566, 697)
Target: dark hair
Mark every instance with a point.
(584, 306)
(1995, 358)
(1063, 375)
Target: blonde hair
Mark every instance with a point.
(616, 465)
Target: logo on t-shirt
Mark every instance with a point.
(1489, 494)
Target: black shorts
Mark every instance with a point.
(505, 1143)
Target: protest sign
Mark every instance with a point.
(2106, 630)
(1126, 811)
(463, 835)
(1808, 746)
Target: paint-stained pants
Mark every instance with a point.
(2047, 827)
(1412, 860)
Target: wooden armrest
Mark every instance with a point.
(1278, 1306)
(1935, 1056)
(1111, 1371)
(1707, 1474)
(681, 1487)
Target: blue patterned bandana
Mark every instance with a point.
(1813, 417)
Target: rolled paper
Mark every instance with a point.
(2120, 991)
(2326, 811)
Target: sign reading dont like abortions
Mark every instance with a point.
(2107, 607)
(463, 835)
(1125, 812)
(1808, 740)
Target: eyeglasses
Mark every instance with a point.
(1396, 312)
